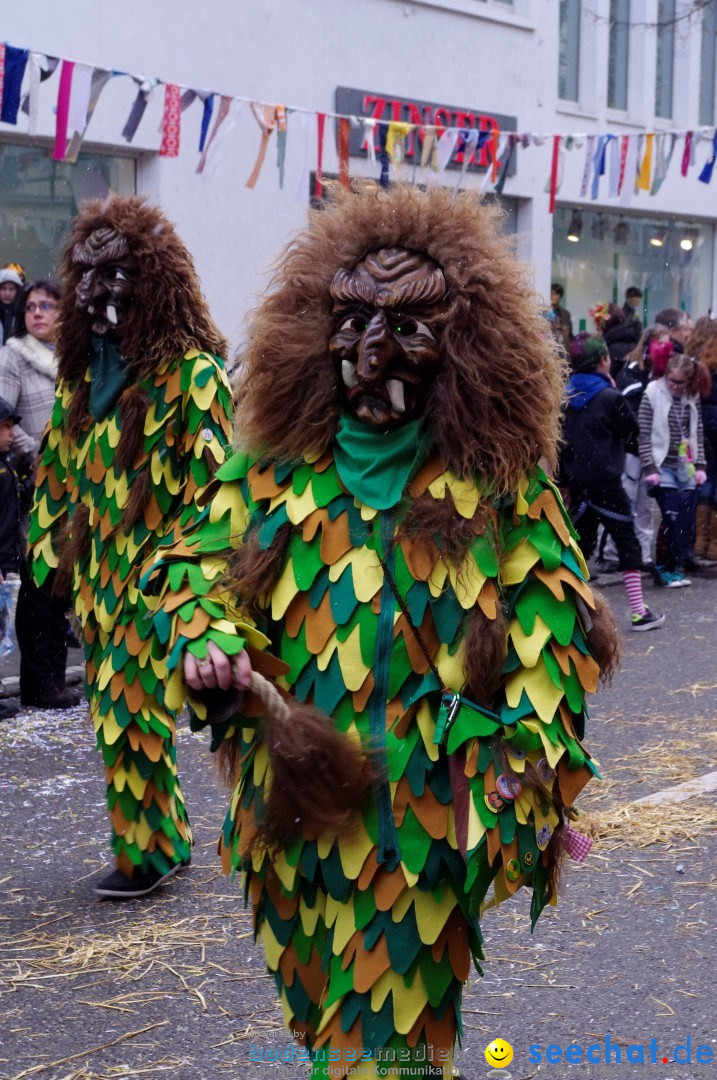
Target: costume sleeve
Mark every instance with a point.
(52, 492)
(528, 763)
(206, 428)
(194, 603)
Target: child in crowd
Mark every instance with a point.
(597, 427)
(673, 459)
(10, 510)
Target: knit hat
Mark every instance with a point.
(7, 412)
(10, 276)
(586, 352)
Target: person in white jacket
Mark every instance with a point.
(673, 458)
(27, 382)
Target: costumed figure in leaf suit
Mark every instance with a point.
(401, 564)
(140, 423)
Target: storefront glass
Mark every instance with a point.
(40, 196)
(614, 251)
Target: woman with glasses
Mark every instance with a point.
(27, 382)
(673, 458)
(28, 365)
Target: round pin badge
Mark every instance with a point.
(544, 771)
(508, 787)
(519, 755)
(207, 434)
(543, 836)
(493, 801)
(529, 858)
(512, 870)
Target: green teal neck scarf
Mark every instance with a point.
(375, 466)
(108, 376)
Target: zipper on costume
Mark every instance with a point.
(388, 848)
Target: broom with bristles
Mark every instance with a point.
(320, 777)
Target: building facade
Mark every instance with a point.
(537, 68)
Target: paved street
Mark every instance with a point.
(173, 984)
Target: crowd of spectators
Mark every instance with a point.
(640, 429)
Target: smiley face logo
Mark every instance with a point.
(499, 1053)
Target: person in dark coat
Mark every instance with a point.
(621, 334)
(633, 299)
(10, 513)
(10, 285)
(597, 427)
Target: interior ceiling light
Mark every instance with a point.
(622, 232)
(689, 239)
(598, 229)
(576, 227)
(658, 237)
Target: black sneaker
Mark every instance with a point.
(9, 707)
(649, 621)
(54, 699)
(116, 886)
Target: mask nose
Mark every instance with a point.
(86, 290)
(376, 349)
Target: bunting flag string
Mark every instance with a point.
(171, 121)
(634, 162)
(206, 120)
(343, 137)
(98, 82)
(138, 109)
(222, 114)
(320, 122)
(14, 64)
(554, 173)
(63, 110)
(2, 71)
(706, 174)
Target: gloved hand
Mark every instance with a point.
(700, 477)
(652, 480)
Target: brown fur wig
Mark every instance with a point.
(168, 315)
(494, 409)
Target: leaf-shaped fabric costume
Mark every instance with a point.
(370, 936)
(186, 430)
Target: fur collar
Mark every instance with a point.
(37, 354)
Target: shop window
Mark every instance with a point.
(619, 52)
(670, 259)
(569, 55)
(707, 65)
(665, 58)
(40, 196)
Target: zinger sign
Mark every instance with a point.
(385, 109)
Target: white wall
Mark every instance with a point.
(474, 53)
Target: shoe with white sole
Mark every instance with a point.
(649, 620)
(117, 886)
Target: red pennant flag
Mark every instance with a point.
(320, 121)
(343, 148)
(63, 110)
(2, 69)
(171, 121)
(554, 173)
